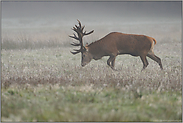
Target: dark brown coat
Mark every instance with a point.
(116, 43)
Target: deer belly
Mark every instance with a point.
(97, 57)
(128, 52)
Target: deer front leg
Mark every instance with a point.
(111, 62)
(144, 61)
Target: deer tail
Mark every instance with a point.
(154, 41)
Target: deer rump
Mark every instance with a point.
(114, 44)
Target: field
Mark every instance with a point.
(43, 81)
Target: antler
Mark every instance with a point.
(79, 30)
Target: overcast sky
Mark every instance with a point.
(90, 11)
(49, 9)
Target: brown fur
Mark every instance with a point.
(116, 43)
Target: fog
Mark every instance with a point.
(60, 17)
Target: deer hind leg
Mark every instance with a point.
(111, 61)
(144, 61)
(155, 58)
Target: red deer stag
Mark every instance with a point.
(114, 44)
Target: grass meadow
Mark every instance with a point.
(42, 81)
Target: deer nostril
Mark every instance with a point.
(83, 64)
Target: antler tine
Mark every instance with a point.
(75, 44)
(78, 30)
(74, 52)
(74, 37)
(82, 28)
(79, 23)
(77, 51)
(88, 32)
(75, 28)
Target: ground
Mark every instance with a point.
(43, 81)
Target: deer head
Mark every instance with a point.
(85, 55)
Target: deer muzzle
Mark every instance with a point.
(83, 64)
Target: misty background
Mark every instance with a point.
(43, 20)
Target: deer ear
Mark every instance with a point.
(86, 45)
(85, 48)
